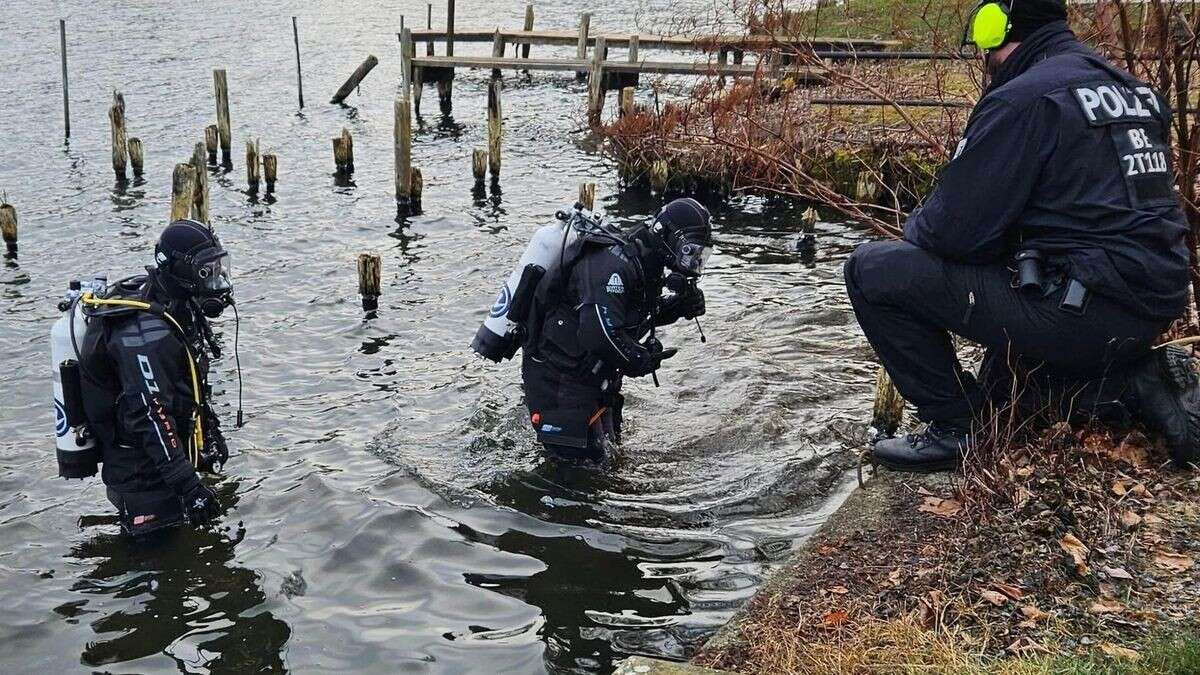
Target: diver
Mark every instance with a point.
(143, 365)
(586, 308)
(1054, 237)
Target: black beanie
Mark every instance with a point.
(1029, 15)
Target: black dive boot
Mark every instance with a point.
(1167, 392)
(939, 448)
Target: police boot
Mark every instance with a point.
(1166, 390)
(939, 447)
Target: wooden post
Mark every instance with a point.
(270, 170)
(355, 78)
(210, 142)
(183, 190)
(587, 195)
(495, 126)
(116, 118)
(888, 411)
(497, 51)
(722, 61)
(402, 142)
(596, 83)
(445, 88)
(634, 41)
(626, 101)
(221, 87)
(299, 78)
(585, 21)
(8, 228)
(62, 47)
(416, 186)
(415, 76)
(253, 168)
(659, 175)
(343, 153)
(406, 68)
(370, 269)
(429, 25)
(136, 155)
(528, 29)
(200, 193)
(479, 160)
(449, 27)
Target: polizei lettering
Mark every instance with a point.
(1111, 103)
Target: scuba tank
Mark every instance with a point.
(76, 449)
(502, 331)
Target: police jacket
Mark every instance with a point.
(138, 398)
(1068, 155)
(608, 299)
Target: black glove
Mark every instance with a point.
(216, 451)
(691, 303)
(199, 502)
(663, 355)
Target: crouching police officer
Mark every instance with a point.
(144, 365)
(590, 331)
(1063, 174)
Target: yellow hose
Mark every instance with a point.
(197, 424)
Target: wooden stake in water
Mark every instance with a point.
(355, 78)
(116, 119)
(626, 101)
(210, 142)
(449, 27)
(200, 193)
(528, 29)
(253, 170)
(596, 83)
(221, 91)
(402, 146)
(888, 411)
(585, 22)
(495, 127)
(62, 47)
(270, 170)
(587, 195)
(8, 228)
(479, 162)
(136, 155)
(497, 51)
(416, 187)
(299, 77)
(343, 153)
(183, 190)
(370, 270)
(659, 173)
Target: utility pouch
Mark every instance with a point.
(563, 426)
(1075, 298)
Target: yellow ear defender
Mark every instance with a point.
(989, 25)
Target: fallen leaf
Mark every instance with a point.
(1140, 490)
(924, 491)
(993, 597)
(1119, 652)
(1025, 471)
(1106, 607)
(1032, 613)
(1119, 489)
(943, 508)
(1011, 591)
(929, 550)
(894, 576)
(835, 618)
(839, 590)
(1176, 562)
(1152, 519)
(1077, 551)
(1130, 518)
(1118, 573)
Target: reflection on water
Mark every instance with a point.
(386, 508)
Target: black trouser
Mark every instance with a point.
(574, 416)
(908, 302)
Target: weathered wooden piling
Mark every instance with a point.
(445, 88)
(136, 155)
(587, 195)
(626, 101)
(659, 173)
(210, 142)
(479, 161)
(888, 411)
(343, 153)
(402, 145)
(528, 29)
(596, 83)
(270, 170)
(120, 147)
(497, 51)
(634, 44)
(414, 77)
(416, 187)
(355, 78)
(370, 273)
(8, 228)
(585, 22)
(449, 27)
(495, 126)
(183, 191)
(253, 168)
(200, 193)
(62, 48)
(299, 77)
(221, 90)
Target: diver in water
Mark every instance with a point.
(592, 319)
(144, 381)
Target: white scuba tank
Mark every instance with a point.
(494, 339)
(76, 448)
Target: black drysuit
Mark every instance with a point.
(1065, 155)
(140, 405)
(589, 324)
